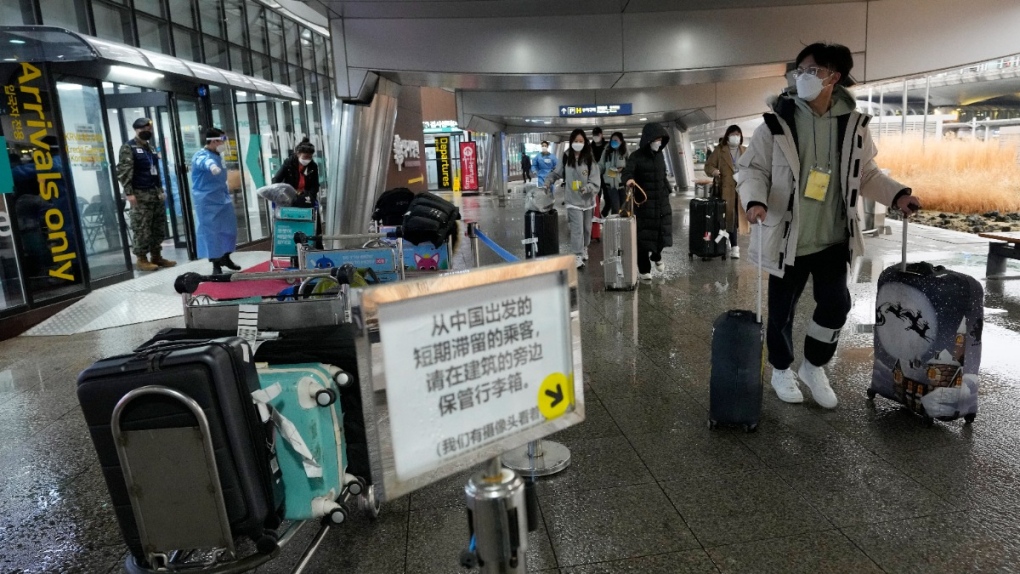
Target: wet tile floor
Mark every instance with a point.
(863, 488)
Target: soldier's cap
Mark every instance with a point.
(141, 123)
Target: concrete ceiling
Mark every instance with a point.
(513, 8)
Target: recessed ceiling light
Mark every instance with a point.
(17, 41)
(644, 119)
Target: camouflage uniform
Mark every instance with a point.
(148, 215)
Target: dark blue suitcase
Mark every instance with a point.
(738, 366)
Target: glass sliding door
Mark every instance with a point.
(90, 169)
(223, 118)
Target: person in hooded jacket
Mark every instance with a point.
(302, 173)
(646, 167)
(216, 224)
(801, 178)
(581, 173)
(722, 164)
(526, 167)
(614, 159)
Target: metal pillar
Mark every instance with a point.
(903, 121)
(499, 520)
(360, 158)
(685, 175)
(924, 122)
(499, 172)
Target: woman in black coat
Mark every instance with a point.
(647, 167)
(302, 173)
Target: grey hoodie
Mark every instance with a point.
(588, 180)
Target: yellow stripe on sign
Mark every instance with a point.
(418, 179)
(556, 395)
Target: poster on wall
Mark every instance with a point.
(43, 202)
(468, 166)
(85, 148)
(444, 167)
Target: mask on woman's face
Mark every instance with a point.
(304, 160)
(577, 146)
(614, 144)
(221, 148)
(734, 141)
(545, 149)
(597, 139)
(655, 145)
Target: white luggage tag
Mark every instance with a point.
(722, 235)
(288, 431)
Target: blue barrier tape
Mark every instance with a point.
(506, 255)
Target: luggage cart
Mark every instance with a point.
(375, 253)
(286, 222)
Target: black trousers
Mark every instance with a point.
(645, 258)
(733, 223)
(828, 269)
(527, 175)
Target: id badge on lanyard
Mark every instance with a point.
(818, 183)
(152, 164)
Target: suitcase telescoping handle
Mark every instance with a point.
(903, 248)
(761, 244)
(189, 282)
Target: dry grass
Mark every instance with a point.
(955, 176)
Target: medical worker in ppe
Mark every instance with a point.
(216, 229)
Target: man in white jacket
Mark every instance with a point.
(805, 171)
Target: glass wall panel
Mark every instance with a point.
(89, 166)
(154, 7)
(257, 28)
(237, 30)
(68, 14)
(321, 55)
(279, 72)
(153, 34)
(292, 41)
(239, 60)
(12, 293)
(210, 17)
(307, 58)
(216, 53)
(274, 24)
(182, 12)
(14, 12)
(257, 209)
(186, 44)
(260, 66)
(113, 23)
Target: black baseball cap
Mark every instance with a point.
(141, 123)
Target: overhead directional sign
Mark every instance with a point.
(595, 110)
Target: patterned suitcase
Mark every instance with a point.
(619, 262)
(707, 228)
(311, 447)
(928, 323)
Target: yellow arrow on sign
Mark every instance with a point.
(555, 395)
(418, 179)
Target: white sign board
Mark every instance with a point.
(467, 366)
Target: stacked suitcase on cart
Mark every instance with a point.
(246, 421)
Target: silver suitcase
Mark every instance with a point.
(619, 244)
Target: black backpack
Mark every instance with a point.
(430, 218)
(392, 205)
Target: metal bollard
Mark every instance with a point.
(471, 229)
(498, 520)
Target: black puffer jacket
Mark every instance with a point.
(288, 173)
(648, 169)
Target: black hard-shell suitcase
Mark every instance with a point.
(738, 367)
(541, 233)
(220, 376)
(392, 205)
(331, 345)
(708, 220)
(928, 324)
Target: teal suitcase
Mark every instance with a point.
(310, 444)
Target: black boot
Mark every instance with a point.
(227, 262)
(216, 269)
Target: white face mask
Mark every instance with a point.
(734, 141)
(304, 161)
(545, 150)
(809, 86)
(221, 148)
(655, 145)
(577, 147)
(597, 139)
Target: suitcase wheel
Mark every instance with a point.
(341, 378)
(338, 515)
(355, 487)
(370, 503)
(267, 543)
(325, 397)
(750, 428)
(969, 418)
(871, 394)
(712, 425)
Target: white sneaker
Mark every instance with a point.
(660, 266)
(645, 276)
(735, 252)
(785, 384)
(818, 383)
(585, 256)
(579, 260)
